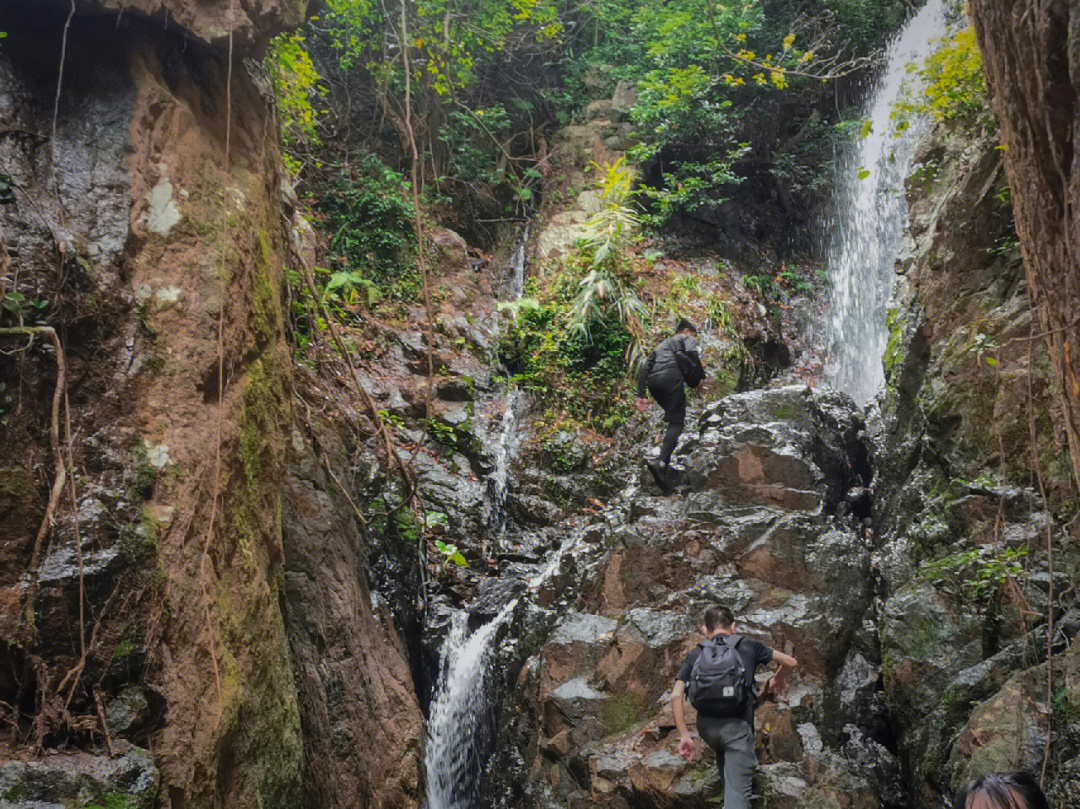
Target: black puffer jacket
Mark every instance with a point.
(662, 362)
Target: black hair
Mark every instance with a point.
(685, 325)
(1017, 790)
(718, 617)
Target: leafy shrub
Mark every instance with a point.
(977, 573)
(954, 90)
(370, 220)
(296, 85)
(579, 377)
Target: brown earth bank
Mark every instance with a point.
(144, 219)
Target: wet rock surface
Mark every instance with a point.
(754, 526)
(953, 497)
(61, 780)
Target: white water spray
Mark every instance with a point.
(872, 215)
(455, 730)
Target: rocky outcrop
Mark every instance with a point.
(251, 24)
(161, 265)
(961, 529)
(765, 525)
(360, 719)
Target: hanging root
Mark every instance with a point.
(60, 473)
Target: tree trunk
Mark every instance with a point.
(1031, 52)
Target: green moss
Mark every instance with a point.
(621, 712)
(14, 482)
(408, 527)
(123, 650)
(139, 540)
(145, 475)
(113, 800)
(894, 352)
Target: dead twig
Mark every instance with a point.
(104, 724)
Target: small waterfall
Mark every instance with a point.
(508, 435)
(457, 735)
(872, 215)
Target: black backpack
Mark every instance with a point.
(718, 682)
(689, 366)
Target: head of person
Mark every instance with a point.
(1018, 790)
(686, 327)
(718, 620)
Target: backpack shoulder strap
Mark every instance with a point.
(730, 640)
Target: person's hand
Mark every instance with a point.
(642, 404)
(777, 685)
(687, 748)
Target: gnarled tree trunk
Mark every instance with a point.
(1031, 51)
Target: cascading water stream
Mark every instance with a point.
(456, 728)
(504, 446)
(871, 214)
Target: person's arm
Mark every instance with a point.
(779, 680)
(687, 747)
(690, 347)
(643, 377)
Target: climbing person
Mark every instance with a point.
(1017, 790)
(718, 675)
(673, 364)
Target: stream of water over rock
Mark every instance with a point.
(455, 728)
(871, 213)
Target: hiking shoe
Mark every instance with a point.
(662, 475)
(657, 472)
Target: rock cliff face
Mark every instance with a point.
(157, 250)
(1033, 72)
(768, 523)
(954, 498)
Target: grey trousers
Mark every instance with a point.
(733, 742)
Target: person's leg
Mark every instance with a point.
(709, 731)
(671, 437)
(676, 420)
(740, 759)
(674, 405)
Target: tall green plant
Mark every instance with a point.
(606, 234)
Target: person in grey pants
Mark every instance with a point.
(730, 737)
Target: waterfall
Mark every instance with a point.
(457, 735)
(508, 434)
(872, 215)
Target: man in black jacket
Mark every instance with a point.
(662, 377)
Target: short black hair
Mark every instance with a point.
(685, 325)
(1017, 790)
(718, 616)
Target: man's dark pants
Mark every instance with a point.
(670, 394)
(732, 739)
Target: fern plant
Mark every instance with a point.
(605, 235)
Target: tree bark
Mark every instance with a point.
(1031, 53)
